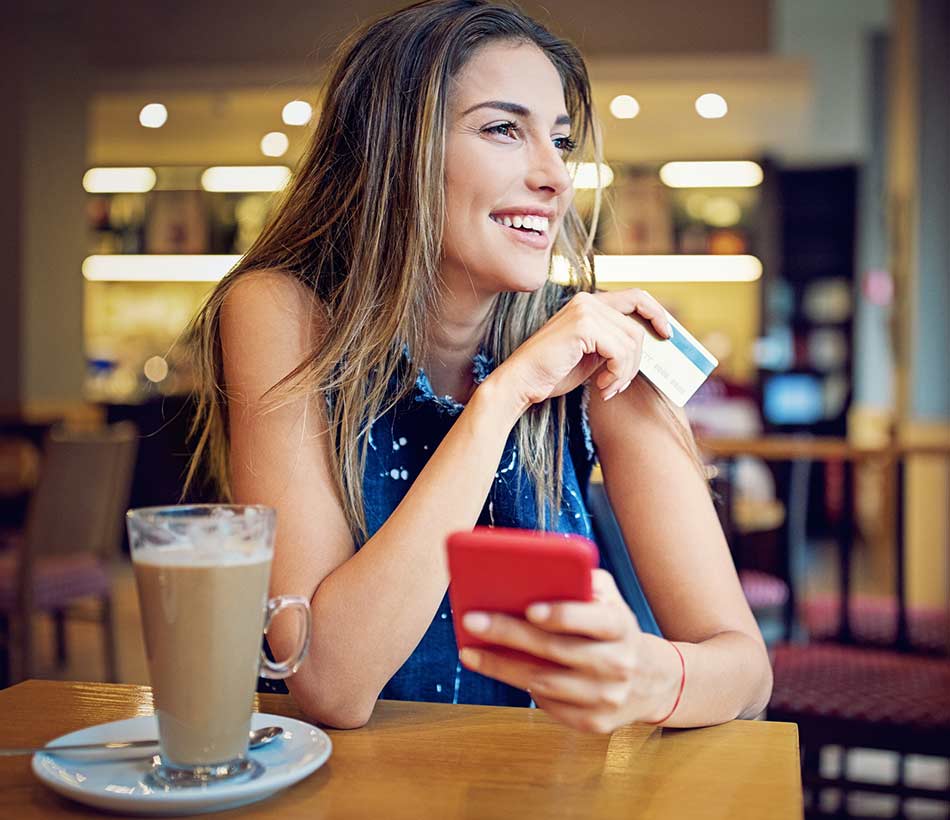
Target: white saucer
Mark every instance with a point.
(120, 784)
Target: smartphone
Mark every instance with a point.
(506, 570)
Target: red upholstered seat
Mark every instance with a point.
(57, 580)
(874, 621)
(886, 689)
(762, 590)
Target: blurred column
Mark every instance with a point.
(45, 85)
(919, 214)
(872, 413)
(873, 404)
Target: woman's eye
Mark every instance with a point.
(509, 129)
(503, 128)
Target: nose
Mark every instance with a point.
(548, 171)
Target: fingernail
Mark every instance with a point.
(470, 658)
(669, 329)
(626, 385)
(475, 621)
(610, 395)
(537, 612)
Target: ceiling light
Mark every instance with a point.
(741, 174)
(118, 180)
(274, 144)
(153, 115)
(721, 212)
(155, 369)
(245, 178)
(297, 112)
(181, 267)
(667, 268)
(711, 106)
(585, 174)
(624, 107)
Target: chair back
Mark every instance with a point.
(83, 490)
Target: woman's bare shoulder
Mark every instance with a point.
(270, 323)
(271, 297)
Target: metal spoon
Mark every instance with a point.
(257, 738)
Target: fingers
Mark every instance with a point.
(608, 618)
(569, 650)
(578, 717)
(567, 687)
(632, 340)
(623, 363)
(620, 351)
(650, 308)
(604, 586)
(607, 330)
(601, 623)
(635, 300)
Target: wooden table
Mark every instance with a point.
(421, 760)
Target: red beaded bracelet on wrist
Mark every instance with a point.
(678, 694)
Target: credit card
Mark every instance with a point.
(676, 366)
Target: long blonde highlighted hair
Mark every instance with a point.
(360, 223)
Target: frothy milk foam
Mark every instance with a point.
(202, 617)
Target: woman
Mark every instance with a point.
(390, 363)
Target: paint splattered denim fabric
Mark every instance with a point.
(400, 444)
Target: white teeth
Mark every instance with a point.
(533, 223)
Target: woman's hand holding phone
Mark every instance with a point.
(592, 335)
(609, 673)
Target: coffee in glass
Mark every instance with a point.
(202, 573)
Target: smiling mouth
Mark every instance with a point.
(529, 224)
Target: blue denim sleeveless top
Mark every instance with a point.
(399, 446)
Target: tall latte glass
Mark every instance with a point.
(202, 573)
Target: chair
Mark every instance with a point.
(849, 695)
(73, 529)
(874, 622)
(766, 593)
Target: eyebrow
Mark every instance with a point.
(513, 108)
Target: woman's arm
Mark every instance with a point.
(371, 607)
(682, 560)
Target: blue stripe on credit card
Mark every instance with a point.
(690, 351)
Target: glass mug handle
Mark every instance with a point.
(273, 670)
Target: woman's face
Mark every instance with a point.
(506, 137)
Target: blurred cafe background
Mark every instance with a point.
(777, 173)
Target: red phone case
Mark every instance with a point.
(507, 570)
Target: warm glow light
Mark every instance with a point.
(153, 115)
(245, 178)
(711, 106)
(711, 174)
(156, 369)
(122, 267)
(673, 268)
(274, 144)
(118, 180)
(624, 107)
(585, 174)
(297, 112)
(721, 212)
